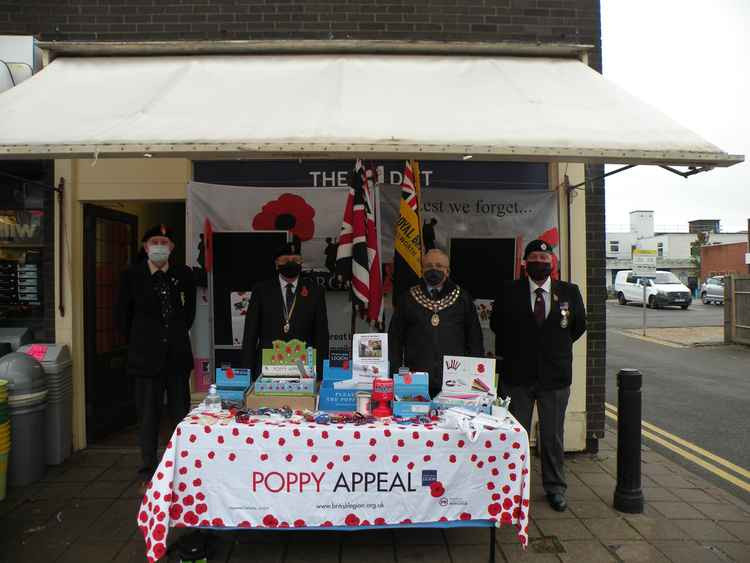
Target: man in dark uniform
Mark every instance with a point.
(285, 307)
(433, 319)
(536, 321)
(155, 310)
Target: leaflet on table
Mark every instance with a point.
(469, 375)
(367, 373)
(370, 349)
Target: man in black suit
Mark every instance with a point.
(433, 319)
(536, 321)
(285, 307)
(155, 310)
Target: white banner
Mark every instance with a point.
(281, 474)
(314, 216)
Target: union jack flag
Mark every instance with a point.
(358, 255)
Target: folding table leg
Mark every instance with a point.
(492, 544)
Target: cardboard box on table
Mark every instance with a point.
(295, 402)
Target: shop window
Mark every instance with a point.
(26, 248)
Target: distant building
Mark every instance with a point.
(727, 258)
(673, 248)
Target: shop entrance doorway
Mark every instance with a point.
(112, 242)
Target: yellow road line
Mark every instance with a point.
(695, 459)
(697, 449)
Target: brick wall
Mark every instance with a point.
(596, 353)
(559, 21)
(723, 259)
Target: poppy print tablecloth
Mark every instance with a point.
(280, 474)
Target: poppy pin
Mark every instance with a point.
(303, 291)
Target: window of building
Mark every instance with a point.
(660, 249)
(614, 246)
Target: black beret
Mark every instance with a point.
(537, 246)
(287, 249)
(158, 231)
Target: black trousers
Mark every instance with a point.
(551, 405)
(149, 403)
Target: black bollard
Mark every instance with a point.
(628, 494)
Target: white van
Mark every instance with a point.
(664, 289)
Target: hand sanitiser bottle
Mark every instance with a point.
(213, 400)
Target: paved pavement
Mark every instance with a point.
(85, 511)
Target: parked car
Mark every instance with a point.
(665, 289)
(712, 290)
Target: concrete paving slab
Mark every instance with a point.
(419, 536)
(58, 492)
(705, 530)
(104, 489)
(741, 530)
(368, 537)
(727, 512)
(467, 536)
(74, 520)
(87, 552)
(592, 509)
(72, 473)
(570, 529)
(541, 509)
(672, 481)
(611, 529)
(471, 554)
(257, 553)
(577, 551)
(422, 554)
(637, 552)
(134, 551)
(656, 528)
(677, 509)
(691, 551)
(116, 523)
(658, 494)
(694, 496)
(307, 552)
(736, 551)
(354, 553)
(514, 552)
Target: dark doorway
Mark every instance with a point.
(480, 265)
(110, 244)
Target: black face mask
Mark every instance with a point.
(433, 277)
(538, 271)
(290, 269)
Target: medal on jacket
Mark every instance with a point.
(564, 314)
(432, 305)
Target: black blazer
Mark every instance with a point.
(138, 317)
(414, 342)
(264, 321)
(532, 354)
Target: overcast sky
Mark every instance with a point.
(690, 59)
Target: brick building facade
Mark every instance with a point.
(535, 21)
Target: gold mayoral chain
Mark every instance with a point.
(432, 305)
(288, 314)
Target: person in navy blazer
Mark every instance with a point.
(536, 320)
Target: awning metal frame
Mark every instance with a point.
(380, 151)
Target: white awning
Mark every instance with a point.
(245, 106)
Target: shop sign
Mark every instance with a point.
(21, 228)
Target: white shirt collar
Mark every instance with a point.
(546, 286)
(284, 281)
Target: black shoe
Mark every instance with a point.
(557, 502)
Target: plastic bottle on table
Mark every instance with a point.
(213, 400)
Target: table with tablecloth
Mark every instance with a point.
(280, 473)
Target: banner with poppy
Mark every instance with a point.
(407, 238)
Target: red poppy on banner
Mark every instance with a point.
(289, 212)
